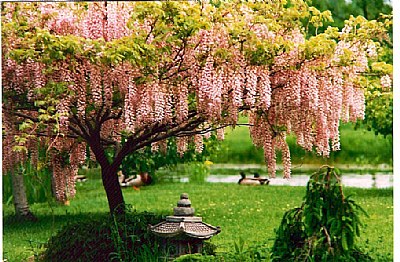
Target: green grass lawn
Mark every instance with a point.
(358, 147)
(250, 213)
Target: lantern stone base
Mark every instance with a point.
(172, 247)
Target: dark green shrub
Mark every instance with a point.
(104, 239)
(209, 248)
(324, 228)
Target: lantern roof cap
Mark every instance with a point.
(183, 207)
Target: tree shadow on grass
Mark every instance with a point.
(46, 221)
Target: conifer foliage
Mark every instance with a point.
(128, 75)
(324, 228)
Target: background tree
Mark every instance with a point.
(15, 169)
(341, 9)
(20, 199)
(131, 75)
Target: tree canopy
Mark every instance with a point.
(128, 75)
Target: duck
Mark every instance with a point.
(142, 179)
(256, 180)
(262, 180)
(80, 178)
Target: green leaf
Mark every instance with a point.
(40, 103)
(19, 148)
(344, 241)
(44, 117)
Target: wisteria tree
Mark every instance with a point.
(122, 76)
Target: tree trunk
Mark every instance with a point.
(20, 200)
(109, 176)
(113, 190)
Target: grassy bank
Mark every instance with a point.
(250, 213)
(358, 147)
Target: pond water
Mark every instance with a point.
(377, 180)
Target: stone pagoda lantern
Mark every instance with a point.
(183, 233)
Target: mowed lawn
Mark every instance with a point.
(250, 213)
(358, 147)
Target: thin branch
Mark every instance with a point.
(151, 29)
(75, 120)
(154, 134)
(88, 125)
(113, 116)
(369, 74)
(207, 130)
(327, 236)
(20, 114)
(40, 134)
(76, 131)
(173, 63)
(100, 114)
(104, 117)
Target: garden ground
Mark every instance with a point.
(248, 213)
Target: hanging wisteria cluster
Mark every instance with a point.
(138, 76)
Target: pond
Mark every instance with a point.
(377, 180)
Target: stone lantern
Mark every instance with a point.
(183, 233)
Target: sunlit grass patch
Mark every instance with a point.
(247, 212)
(358, 146)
